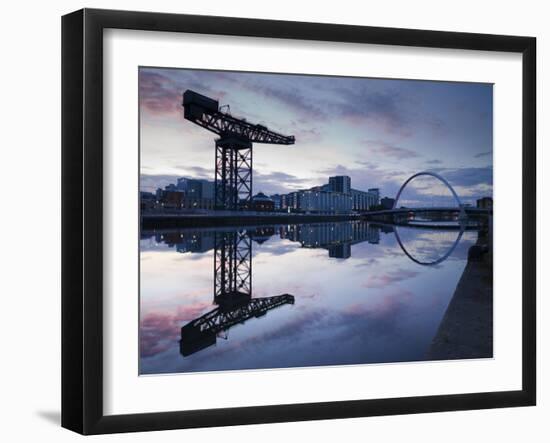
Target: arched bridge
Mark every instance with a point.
(460, 208)
(431, 174)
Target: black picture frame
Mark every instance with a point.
(82, 218)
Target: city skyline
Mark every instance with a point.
(378, 132)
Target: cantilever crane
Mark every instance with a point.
(233, 176)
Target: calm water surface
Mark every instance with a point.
(308, 295)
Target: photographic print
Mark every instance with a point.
(292, 220)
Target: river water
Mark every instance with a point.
(294, 295)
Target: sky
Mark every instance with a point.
(377, 131)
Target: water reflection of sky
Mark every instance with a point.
(374, 306)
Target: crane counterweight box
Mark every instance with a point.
(196, 104)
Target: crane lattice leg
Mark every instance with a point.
(233, 175)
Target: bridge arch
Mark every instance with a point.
(431, 174)
(437, 261)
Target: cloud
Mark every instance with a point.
(278, 248)
(387, 304)
(150, 182)
(359, 329)
(437, 125)
(362, 104)
(158, 94)
(278, 182)
(467, 176)
(389, 150)
(429, 246)
(160, 330)
(390, 277)
(305, 134)
(197, 172)
(483, 154)
(434, 162)
(290, 97)
(161, 90)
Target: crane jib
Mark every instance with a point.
(204, 111)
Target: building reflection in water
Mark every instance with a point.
(336, 238)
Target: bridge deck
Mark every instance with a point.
(470, 210)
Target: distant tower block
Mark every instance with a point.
(340, 183)
(233, 175)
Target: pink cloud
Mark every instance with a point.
(385, 304)
(159, 330)
(391, 277)
(158, 94)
